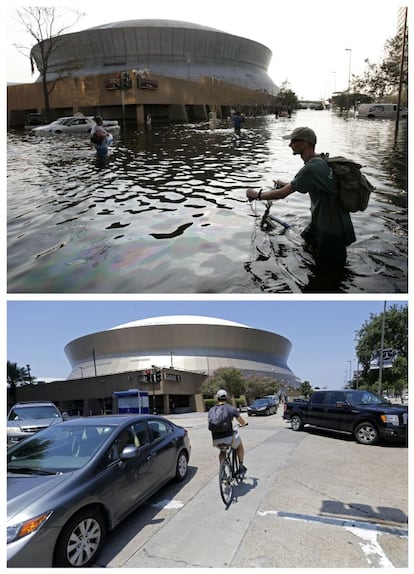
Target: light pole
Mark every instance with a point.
(381, 365)
(29, 375)
(154, 410)
(350, 371)
(349, 75)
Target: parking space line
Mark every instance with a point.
(381, 529)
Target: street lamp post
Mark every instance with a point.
(29, 375)
(349, 76)
(154, 410)
(350, 371)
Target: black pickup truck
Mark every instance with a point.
(364, 414)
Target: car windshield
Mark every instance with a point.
(260, 402)
(365, 398)
(58, 449)
(34, 412)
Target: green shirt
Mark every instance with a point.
(331, 226)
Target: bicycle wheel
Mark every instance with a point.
(235, 464)
(226, 481)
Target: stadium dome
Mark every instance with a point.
(164, 47)
(185, 342)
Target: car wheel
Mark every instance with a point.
(267, 413)
(366, 433)
(81, 539)
(296, 423)
(182, 466)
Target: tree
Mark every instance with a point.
(286, 97)
(341, 100)
(236, 384)
(44, 25)
(257, 386)
(305, 389)
(395, 338)
(382, 79)
(227, 378)
(15, 375)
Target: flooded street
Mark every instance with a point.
(168, 213)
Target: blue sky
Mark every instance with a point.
(322, 332)
(308, 39)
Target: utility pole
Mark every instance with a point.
(154, 369)
(349, 77)
(397, 121)
(350, 371)
(381, 350)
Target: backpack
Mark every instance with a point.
(219, 419)
(353, 187)
(96, 139)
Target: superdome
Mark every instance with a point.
(180, 320)
(186, 342)
(164, 47)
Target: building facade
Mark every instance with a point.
(183, 349)
(175, 71)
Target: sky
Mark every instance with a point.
(314, 44)
(322, 333)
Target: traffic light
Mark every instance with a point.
(126, 81)
(158, 376)
(148, 376)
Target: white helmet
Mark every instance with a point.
(221, 394)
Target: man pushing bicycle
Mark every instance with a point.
(220, 423)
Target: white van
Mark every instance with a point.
(387, 111)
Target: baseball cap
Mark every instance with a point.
(303, 133)
(221, 394)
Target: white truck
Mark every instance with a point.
(386, 111)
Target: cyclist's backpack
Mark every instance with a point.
(219, 419)
(353, 187)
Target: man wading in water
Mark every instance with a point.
(330, 230)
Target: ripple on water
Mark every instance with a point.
(168, 213)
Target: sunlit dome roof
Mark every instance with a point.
(154, 23)
(180, 320)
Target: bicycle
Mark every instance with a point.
(267, 220)
(229, 471)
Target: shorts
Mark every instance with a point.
(233, 440)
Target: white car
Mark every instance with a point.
(74, 124)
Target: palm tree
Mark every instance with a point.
(15, 374)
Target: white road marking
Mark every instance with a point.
(371, 548)
(168, 504)
(367, 531)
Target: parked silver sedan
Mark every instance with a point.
(71, 483)
(75, 125)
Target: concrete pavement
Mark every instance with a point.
(301, 490)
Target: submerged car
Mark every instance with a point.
(262, 407)
(27, 418)
(75, 124)
(68, 485)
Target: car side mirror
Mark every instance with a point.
(129, 451)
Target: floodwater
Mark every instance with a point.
(168, 213)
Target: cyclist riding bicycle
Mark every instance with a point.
(227, 435)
